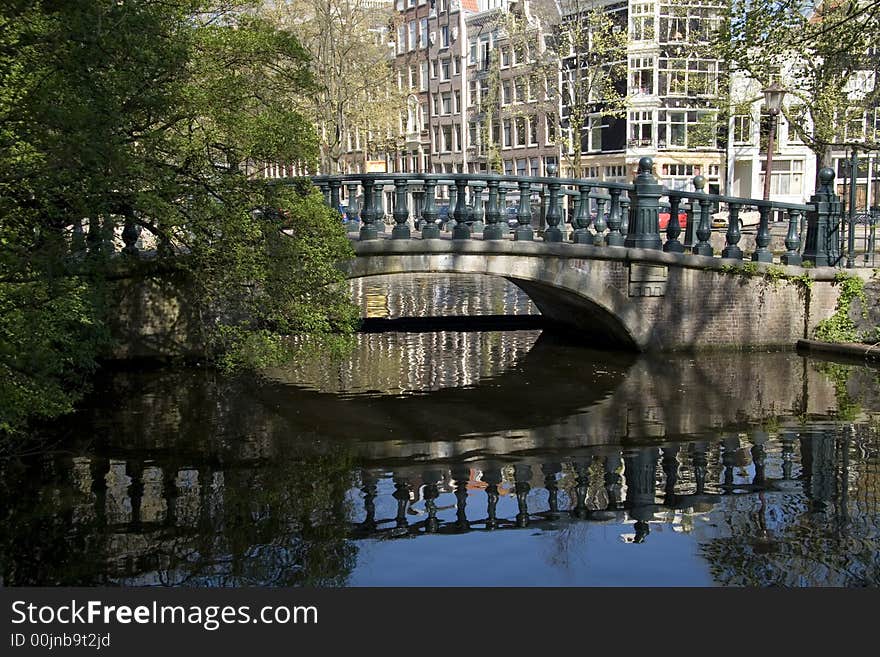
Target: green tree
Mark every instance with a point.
(155, 112)
(824, 56)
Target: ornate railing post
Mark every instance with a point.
(762, 238)
(644, 223)
(704, 228)
(401, 212)
(822, 223)
(478, 226)
(492, 231)
(452, 192)
(461, 231)
(502, 208)
(731, 248)
(581, 234)
(793, 240)
(352, 206)
(673, 227)
(324, 186)
(615, 238)
(430, 229)
(130, 234)
(335, 186)
(553, 216)
(524, 213)
(379, 223)
(368, 214)
(624, 217)
(690, 226)
(77, 236)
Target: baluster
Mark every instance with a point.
(614, 238)
(670, 469)
(704, 228)
(624, 217)
(77, 237)
(462, 477)
(639, 471)
(644, 221)
(699, 461)
(581, 234)
(368, 214)
(612, 480)
(552, 233)
(581, 490)
(430, 229)
(759, 457)
(502, 209)
(734, 234)
(130, 233)
(492, 477)
(379, 224)
(762, 239)
(550, 471)
(673, 228)
(94, 236)
(401, 494)
(432, 524)
(369, 489)
(335, 187)
(401, 212)
(793, 240)
(493, 215)
(353, 210)
(324, 186)
(599, 224)
(452, 192)
(728, 460)
(524, 213)
(522, 475)
(478, 226)
(822, 223)
(461, 231)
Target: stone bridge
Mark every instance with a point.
(639, 299)
(616, 281)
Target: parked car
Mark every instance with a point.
(666, 215)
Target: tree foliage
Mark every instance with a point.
(355, 88)
(823, 54)
(155, 111)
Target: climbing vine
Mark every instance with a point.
(840, 327)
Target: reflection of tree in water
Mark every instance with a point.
(824, 530)
(282, 523)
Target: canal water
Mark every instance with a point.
(458, 457)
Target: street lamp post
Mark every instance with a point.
(773, 101)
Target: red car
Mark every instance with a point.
(682, 219)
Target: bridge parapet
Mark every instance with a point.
(586, 211)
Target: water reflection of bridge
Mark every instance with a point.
(130, 520)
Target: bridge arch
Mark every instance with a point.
(579, 298)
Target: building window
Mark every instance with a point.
(457, 134)
(447, 138)
(641, 129)
(642, 76)
(456, 101)
(413, 35)
(507, 135)
(534, 166)
(401, 39)
(533, 130)
(505, 56)
(423, 79)
(423, 33)
(787, 177)
(641, 27)
(505, 92)
(742, 129)
(519, 87)
(444, 69)
(446, 103)
(472, 57)
(594, 133)
(444, 36)
(520, 131)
